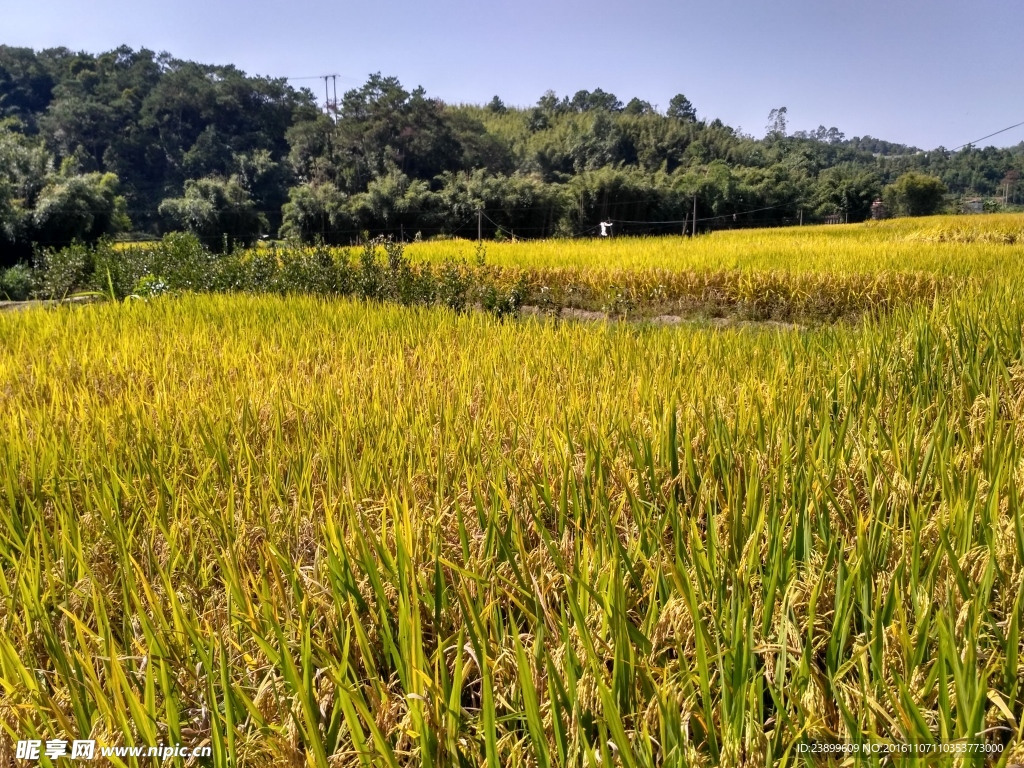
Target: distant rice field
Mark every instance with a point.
(932, 244)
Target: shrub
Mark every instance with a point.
(453, 282)
(500, 292)
(185, 262)
(118, 270)
(63, 270)
(17, 282)
(150, 285)
(370, 278)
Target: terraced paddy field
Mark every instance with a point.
(311, 530)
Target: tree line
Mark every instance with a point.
(136, 142)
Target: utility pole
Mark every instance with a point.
(801, 217)
(479, 225)
(331, 106)
(694, 229)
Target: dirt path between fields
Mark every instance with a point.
(13, 306)
(590, 316)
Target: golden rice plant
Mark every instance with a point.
(310, 531)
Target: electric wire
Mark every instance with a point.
(971, 143)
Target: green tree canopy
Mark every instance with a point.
(79, 207)
(680, 108)
(846, 189)
(318, 212)
(216, 210)
(157, 123)
(915, 194)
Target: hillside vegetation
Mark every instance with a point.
(132, 142)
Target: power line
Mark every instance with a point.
(496, 224)
(1004, 130)
(343, 78)
(707, 218)
(440, 230)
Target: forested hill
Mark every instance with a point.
(134, 142)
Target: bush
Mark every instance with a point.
(118, 270)
(150, 285)
(17, 282)
(179, 260)
(501, 293)
(452, 285)
(313, 270)
(185, 262)
(370, 277)
(63, 271)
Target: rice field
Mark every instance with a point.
(311, 531)
(901, 245)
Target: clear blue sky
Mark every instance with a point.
(925, 73)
